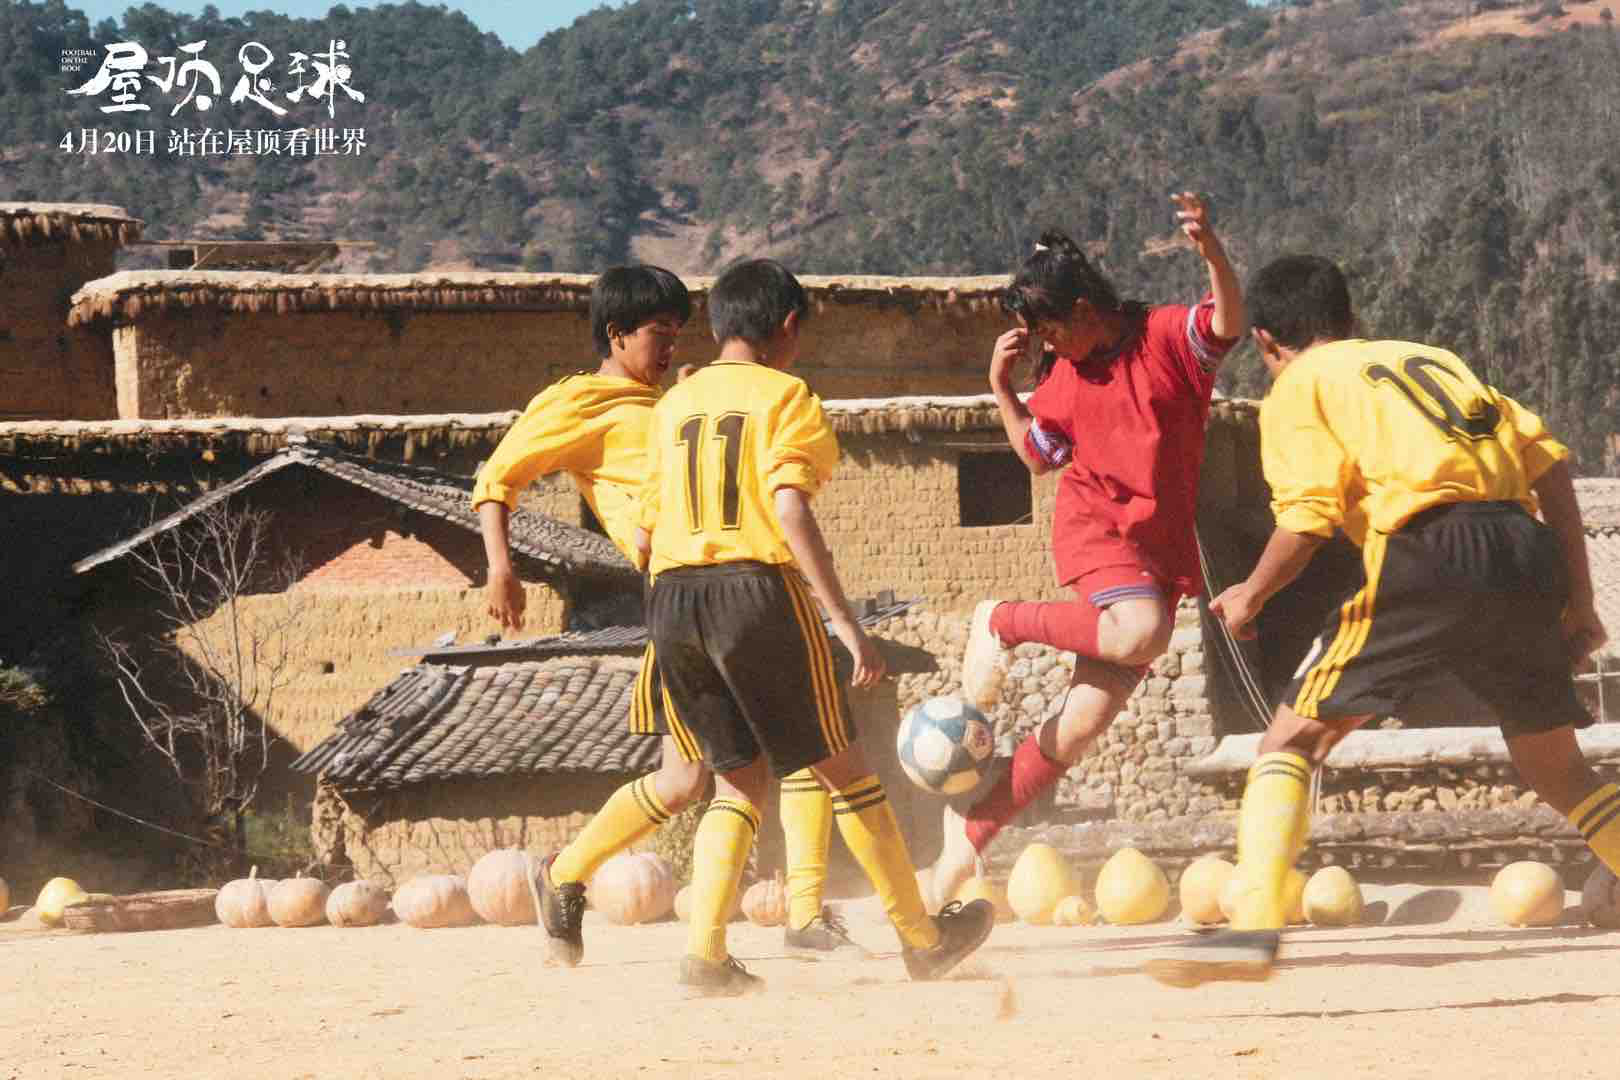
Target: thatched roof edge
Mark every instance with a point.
(130, 295)
(104, 226)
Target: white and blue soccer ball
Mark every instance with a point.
(945, 745)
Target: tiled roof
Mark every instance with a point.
(445, 722)
(553, 543)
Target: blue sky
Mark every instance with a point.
(519, 23)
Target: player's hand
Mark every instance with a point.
(869, 665)
(1583, 632)
(505, 598)
(1009, 350)
(1236, 607)
(1193, 217)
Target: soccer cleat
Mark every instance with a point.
(984, 661)
(1227, 956)
(962, 928)
(562, 912)
(958, 860)
(728, 979)
(824, 935)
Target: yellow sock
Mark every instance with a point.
(719, 853)
(1271, 833)
(1598, 819)
(866, 822)
(629, 814)
(807, 827)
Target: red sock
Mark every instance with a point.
(1032, 772)
(1068, 625)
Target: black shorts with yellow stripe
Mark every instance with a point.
(1461, 605)
(647, 701)
(747, 667)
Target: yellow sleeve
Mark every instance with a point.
(537, 444)
(648, 497)
(804, 450)
(1536, 446)
(1304, 463)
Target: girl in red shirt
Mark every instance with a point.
(1120, 406)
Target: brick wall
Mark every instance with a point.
(47, 370)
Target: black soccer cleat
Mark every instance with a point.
(962, 928)
(728, 979)
(824, 935)
(1227, 956)
(562, 912)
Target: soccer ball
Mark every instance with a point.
(945, 745)
(1600, 899)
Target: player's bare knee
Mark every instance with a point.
(1139, 633)
(683, 783)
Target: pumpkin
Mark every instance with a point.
(1293, 895)
(1600, 898)
(498, 886)
(1527, 893)
(633, 888)
(435, 900)
(982, 888)
(764, 903)
(683, 904)
(299, 901)
(357, 903)
(57, 894)
(1039, 879)
(1073, 911)
(1332, 898)
(1131, 889)
(245, 901)
(1200, 889)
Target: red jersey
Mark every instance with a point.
(1134, 423)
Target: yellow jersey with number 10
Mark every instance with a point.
(722, 441)
(1359, 435)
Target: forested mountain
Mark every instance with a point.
(1457, 156)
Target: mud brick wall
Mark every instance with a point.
(49, 371)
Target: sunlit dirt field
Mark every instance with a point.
(1438, 990)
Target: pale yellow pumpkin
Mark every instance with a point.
(498, 886)
(1073, 911)
(299, 901)
(357, 903)
(1131, 889)
(629, 889)
(1527, 893)
(57, 894)
(1200, 889)
(1039, 880)
(245, 902)
(764, 903)
(1293, 895)
(1332, 898)
(435, 900)
(982, 888)
(1600, 898)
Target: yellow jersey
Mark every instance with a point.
(722, 442)
(1360, 435)
(594, 427)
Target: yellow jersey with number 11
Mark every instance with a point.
(1359, 435)
(722, 441)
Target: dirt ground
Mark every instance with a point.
(1435, 990)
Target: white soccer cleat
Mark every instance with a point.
(984, 661)
(958, 860)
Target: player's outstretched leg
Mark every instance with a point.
(812, 928)
(719, 852)
(633, 811)
(1551, 762)
(1271, 834)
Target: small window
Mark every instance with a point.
(587, 519)
(993, 489)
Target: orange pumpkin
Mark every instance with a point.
(629, 889)
(435, 900)
(299, 901)
(765, 902)
(498, 886)
(245, 902)
(357, 903)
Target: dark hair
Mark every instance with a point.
(1050, 282)
(753, 299)
(625, 297)
(1298, 299)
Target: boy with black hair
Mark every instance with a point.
(738, 561)
(594, 426)
(1436, 476)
